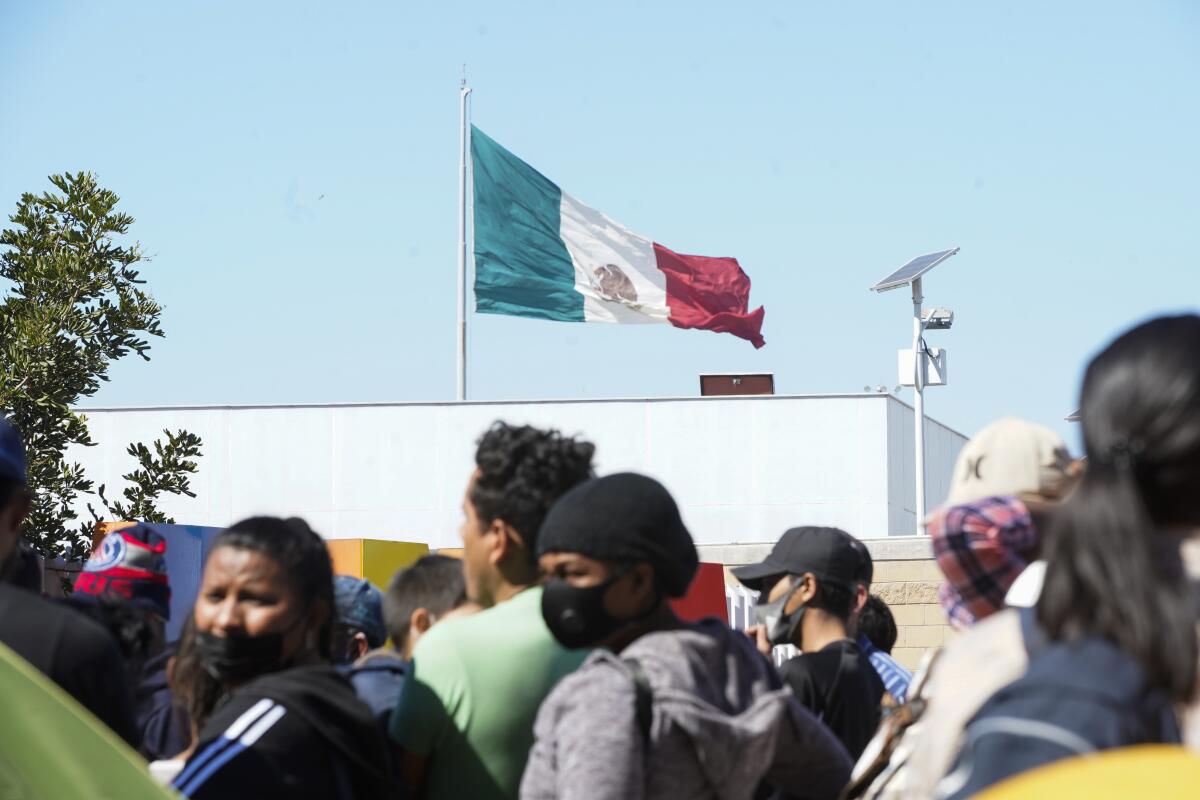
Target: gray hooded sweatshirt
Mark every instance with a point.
(722, 722)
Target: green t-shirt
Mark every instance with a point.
(475, 688)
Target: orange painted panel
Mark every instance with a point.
(347, 556)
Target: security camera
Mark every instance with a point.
(938, 319)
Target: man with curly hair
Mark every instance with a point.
(465, 718)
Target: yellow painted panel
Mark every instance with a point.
(382, 559)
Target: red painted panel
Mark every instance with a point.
(705, 597)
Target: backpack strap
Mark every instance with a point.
(1032, 636)
(845, 663)
(644, 702)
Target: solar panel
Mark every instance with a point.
(913, 270)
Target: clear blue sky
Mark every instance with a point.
(292, 167)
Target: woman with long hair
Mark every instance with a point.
(1115, 570)
(1112, 640)
(285, 723)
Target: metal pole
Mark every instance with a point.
(463, 139)
(919, 401)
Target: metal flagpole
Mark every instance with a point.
(919, 399)
(463, 144)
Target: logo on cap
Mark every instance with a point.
(973, 465)
(112, 552)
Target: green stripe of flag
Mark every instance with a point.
(522, 267)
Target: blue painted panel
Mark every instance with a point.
(187, 547)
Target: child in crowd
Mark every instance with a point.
(417, 597)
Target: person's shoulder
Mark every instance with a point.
(25, 605)
(888, 662)
(444, 640)
(980, 660)
(85, 639)
(465, 629)
(600, 678)
(301, 685)
(996, 639)
(280, 708)
(513, 623)
(803, 664)
(379, 666)
(269, 743)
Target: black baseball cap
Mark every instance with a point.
(830, 554)
(866, 566)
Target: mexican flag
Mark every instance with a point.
(541, 253)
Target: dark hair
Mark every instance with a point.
(522, 471)
(22, 568)
(866, 566)
(1114, 569)
(126, 624)
(302, 555)
(877, 624)
(9, 489)
(192, 687)
(434, 583)
(834, 598)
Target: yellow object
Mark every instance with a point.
(52, 748)
(377, 560)
(1157, 771)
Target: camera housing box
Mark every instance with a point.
(934, 367)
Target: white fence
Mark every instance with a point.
(740, 603)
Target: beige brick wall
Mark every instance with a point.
(910, 590)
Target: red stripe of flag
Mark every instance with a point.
(711, 294)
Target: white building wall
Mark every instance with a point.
(941, 449)
(743, 469)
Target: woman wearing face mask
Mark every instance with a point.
(662, 708)
(286, 724)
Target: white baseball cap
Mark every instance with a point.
(1013, 457)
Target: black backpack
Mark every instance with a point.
(1075, 699)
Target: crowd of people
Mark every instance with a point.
(548, 660)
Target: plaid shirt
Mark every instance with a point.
(895, 677)
(981, 548)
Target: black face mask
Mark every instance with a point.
(577, 617)
(230, 659)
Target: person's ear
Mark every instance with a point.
(507, 541)
(642, 585)
(420, 621)
(359, 646)
(11, 517)
(862, 592)
(806, 589)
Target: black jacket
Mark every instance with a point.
(163, 723)
(74, 652)
(299, 733)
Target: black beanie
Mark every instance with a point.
(627, 518)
